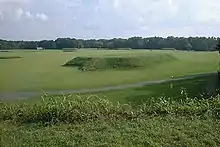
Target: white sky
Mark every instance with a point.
(49, 19)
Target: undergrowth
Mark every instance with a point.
(71, 110)
(95, 63)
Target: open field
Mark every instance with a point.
(194, 86)
(199, 87)
(43, 70)
(168, 114)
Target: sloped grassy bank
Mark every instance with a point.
(94, 121)
(105, 63)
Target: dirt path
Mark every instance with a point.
(25, 95)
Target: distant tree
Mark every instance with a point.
(188, 47)
(29, 45)
(65, 43)
(179, 43)
(218, 46)
(47, 44)
(80, 43)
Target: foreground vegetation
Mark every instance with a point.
(94, 121)
(40, 70)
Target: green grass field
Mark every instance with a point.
(169, 114)
(201, 87)
(43, 70)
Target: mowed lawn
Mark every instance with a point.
(43, 70)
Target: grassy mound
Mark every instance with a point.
(5, 51)
(10, 57)
(96, 63)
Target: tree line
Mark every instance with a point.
(178, 43)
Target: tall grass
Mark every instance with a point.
(77, 109)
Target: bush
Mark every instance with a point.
(92, 63)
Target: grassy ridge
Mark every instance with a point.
(107, 63)
(75, 121)
(10, 57)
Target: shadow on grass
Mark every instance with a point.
(202, 87)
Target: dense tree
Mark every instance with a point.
(47, 44)
(179, 43)
(28, 45)
(188, 47)
(218, 46)
(65, 43)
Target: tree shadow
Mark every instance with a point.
(202, 87)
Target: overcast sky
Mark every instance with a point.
(49, 19)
